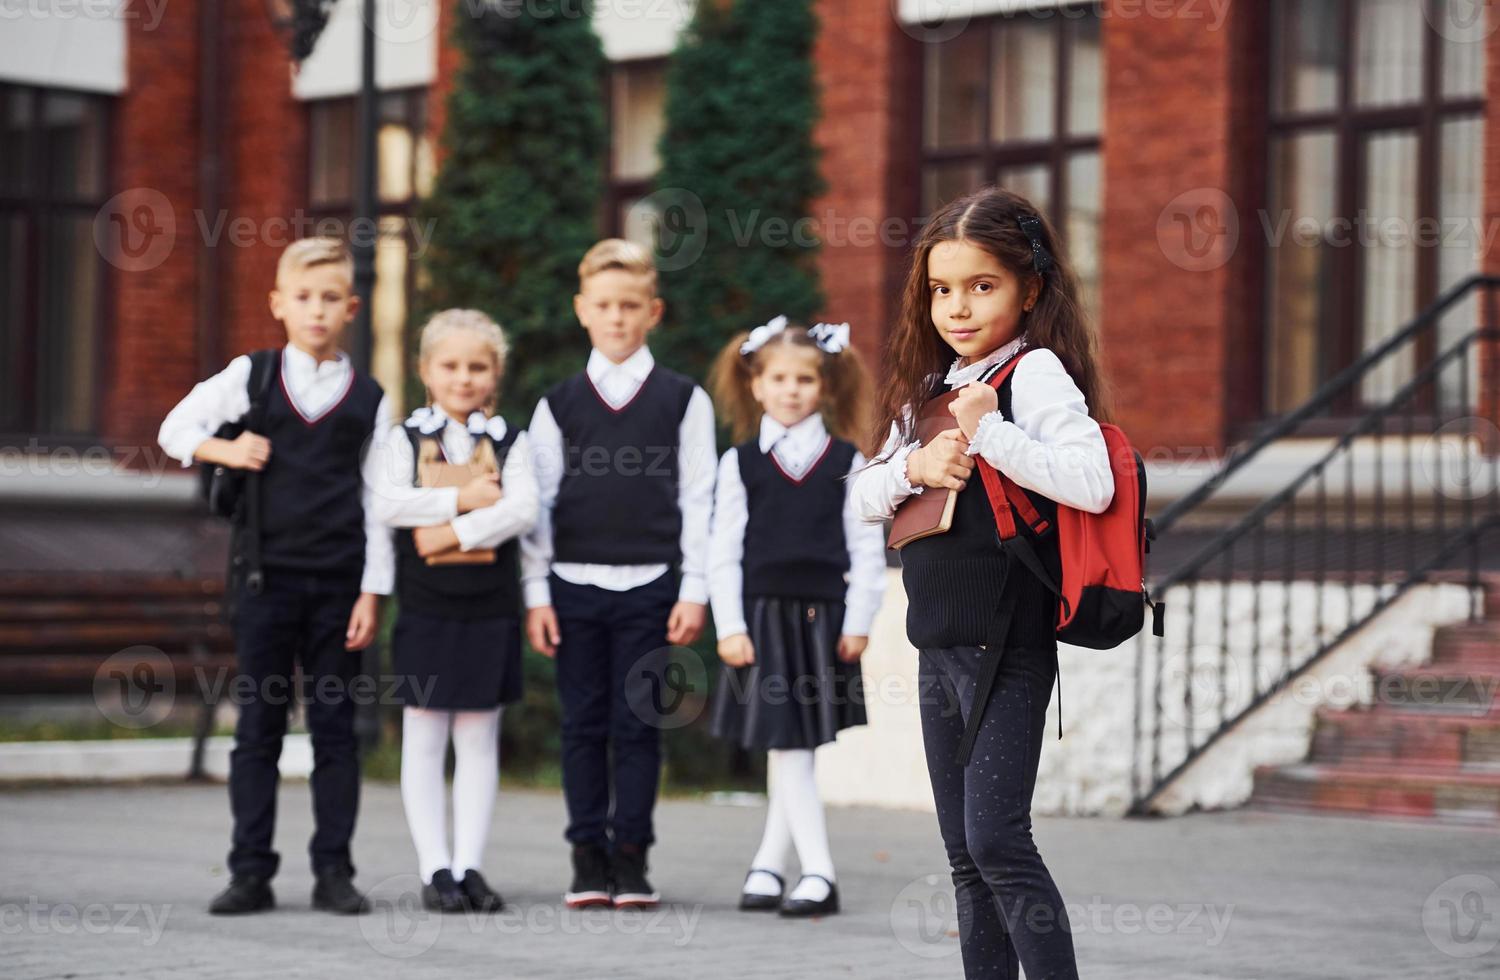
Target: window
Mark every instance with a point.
(1017, 101)
(1376, 130)
(52, 185)
(637, 116)
(406, 170)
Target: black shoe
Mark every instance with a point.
(479, 895)
(335, 892)
(245, 894)
(443, 893)
(801, 908)
(751, 902)
(590, 877)
(627, 873)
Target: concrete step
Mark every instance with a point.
(1440, 687)
(1470, 798)
(1385, 735)
(1474, 644)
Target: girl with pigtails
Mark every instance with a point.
(795, 579)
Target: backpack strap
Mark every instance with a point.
(264, 365)
(984, 683)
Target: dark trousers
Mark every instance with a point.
(1009, 911)
(610, 668)
(301, 619)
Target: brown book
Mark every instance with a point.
(930, 512)
(440, 474)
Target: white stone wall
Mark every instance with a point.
(1087, 772)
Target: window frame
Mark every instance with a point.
(618, 190)
(33, 206)
(1350, 125)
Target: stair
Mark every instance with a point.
(1427, 748)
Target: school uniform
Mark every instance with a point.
(785, 539)
(456, 645)
(320, 548)
(958, 585)
(624, 455)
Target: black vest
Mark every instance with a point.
(617, 498)
(312, 511)
(955, 581)
(459, 591)
(794, 534)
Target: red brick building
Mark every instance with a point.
(1201, 157)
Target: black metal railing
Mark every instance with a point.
(1407, 491)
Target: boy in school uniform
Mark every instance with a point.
(325, 564)
(625, 459)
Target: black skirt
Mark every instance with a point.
(797, 694)
(456, 664)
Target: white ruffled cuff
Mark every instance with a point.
(902, 485)
(987, 423)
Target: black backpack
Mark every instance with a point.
(235, 494)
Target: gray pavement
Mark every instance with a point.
(112, 882)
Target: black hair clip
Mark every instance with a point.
(1041, 259)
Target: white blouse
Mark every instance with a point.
(795, 449)
(1051, 447)
(398, 503)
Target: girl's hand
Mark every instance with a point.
(941, 463)
(363, 619)
(542, 630)
(737, 650)
(434, 540)
(478, 493)
(851, 648)
(975, 400)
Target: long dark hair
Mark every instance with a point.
(989, 218)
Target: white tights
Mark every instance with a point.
(794, 816)
(476, 777)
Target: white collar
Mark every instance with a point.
(430, 420)
(636, 367)
(807, 434)
(302, 362)
(962, 374)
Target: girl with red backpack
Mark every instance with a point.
(990, 295)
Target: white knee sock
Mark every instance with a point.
(476, 777)
(775, 844)
(796, 786)
(424, 750)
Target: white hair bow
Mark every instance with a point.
(480, 425)
(761, 334)
(831, 337)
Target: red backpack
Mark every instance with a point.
(1102, 595)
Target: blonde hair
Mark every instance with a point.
(445, 323)
(844, 401)
(617, 253)
(306, 253)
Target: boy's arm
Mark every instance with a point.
(536, 545)
(380, 550)
(697, 461)
(187, 433)
(726, 576)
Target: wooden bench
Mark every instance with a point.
(57, 631)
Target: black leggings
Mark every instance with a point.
(1010, 913)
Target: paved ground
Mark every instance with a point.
(112, 882)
